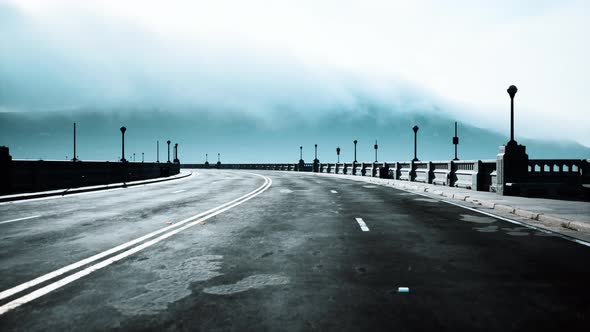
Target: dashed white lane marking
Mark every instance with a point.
(178, 191)
(19, 219)
(189, 222)
(333, 191)
(364, 227)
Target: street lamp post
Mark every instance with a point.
(355, 141)
(512, 91)
(123, 130)
(415, 129)
(142, 157)
(168, 142)
(376, 147)
(133, 156)
(176, 153)
(157, 151)
(338, 154)
(316, 152)
(456, 141)
(301, 152)
(75, 159)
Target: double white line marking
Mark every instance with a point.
(166, 233)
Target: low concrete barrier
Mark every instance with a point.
(41, 175)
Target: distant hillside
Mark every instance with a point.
(243, 138)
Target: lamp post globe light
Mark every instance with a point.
(415, 129)
(355, 141)
(300, 152)
(168, 142)
(123, 130)
(512, 92)
(338, 154)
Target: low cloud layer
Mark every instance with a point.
(309, 60)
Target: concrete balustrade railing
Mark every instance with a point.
(422, 172)
(441, 172)
(406, 171)
(479, 175)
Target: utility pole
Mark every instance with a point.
(456, 141)
(376, 147)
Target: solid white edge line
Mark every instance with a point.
(19, 219)
(19, 288)
(71, 278)
(362, 224)
(512, 221)
(97, 191)
(540, 229)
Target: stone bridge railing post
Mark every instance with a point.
(5, 170)
(452, 175)
(412, 175)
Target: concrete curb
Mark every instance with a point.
(65, 192)
(543, 218)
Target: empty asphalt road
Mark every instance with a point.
(280, 251)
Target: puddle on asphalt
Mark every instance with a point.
(487, 229)
(544, 234)
(477, 219)
(518, 233)
(426, 200)
(172, 284)
(252, 282)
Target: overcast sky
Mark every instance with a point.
(304, 56)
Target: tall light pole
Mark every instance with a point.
(75, 159)
(512, 91)
(338, 154)
(355, 141)
(456, 141)
(157, 151)
(133, 156)
(316, 152)
(415, 129)
(301, 152)
(142, 157)
(176, 153)
(168, 142)
(123, 130)
(376, 147)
